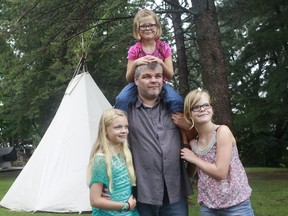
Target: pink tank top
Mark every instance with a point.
(225, 193)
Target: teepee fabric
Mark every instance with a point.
(54, 179)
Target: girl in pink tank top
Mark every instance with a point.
(223, 187)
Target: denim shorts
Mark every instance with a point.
(242, 209)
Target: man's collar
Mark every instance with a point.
(140, 103)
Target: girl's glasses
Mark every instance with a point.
(150, 26)
(197, 108)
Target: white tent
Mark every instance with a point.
(54, 179)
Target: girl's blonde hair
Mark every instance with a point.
(136, 23)
(191, 100)
(102, 145)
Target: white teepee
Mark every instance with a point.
(54, 179)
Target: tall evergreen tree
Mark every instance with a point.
(256, 44)
(212, 59)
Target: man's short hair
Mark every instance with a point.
(150, 65)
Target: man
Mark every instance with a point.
(162, 185)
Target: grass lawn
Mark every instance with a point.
(269, 196)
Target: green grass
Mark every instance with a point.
(269, 196)
(6, 180)
(269, 192)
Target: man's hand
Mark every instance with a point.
(180, 121)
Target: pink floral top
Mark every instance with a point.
(162, 51)
(225, 193)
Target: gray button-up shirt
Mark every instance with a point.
(155, 144)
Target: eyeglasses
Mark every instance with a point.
(197, 108)
(150, 26)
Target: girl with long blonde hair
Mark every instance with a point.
(223, 187)
(111, 167)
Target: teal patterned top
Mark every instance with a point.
(121, 185)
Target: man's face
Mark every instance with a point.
(149, 83)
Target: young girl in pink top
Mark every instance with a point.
(147, 30)
(149, 48)
(223, 187)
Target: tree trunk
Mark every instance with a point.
(180, 46)
(212, 59)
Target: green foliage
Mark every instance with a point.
(41, 54)
(256, 49)
(42, 41)
(108, 50)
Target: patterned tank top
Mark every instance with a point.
(225, 193)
